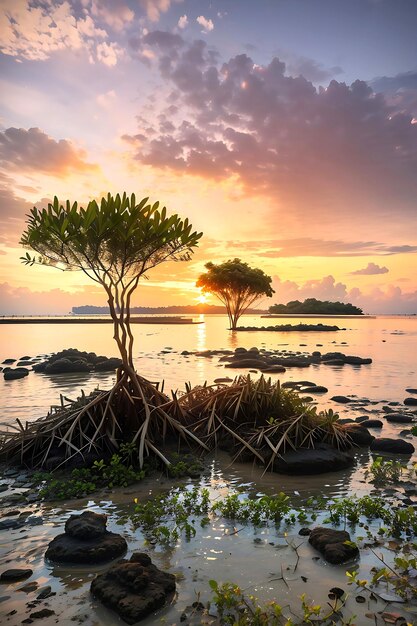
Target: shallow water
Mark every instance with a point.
(254, 558)
(390, 341)
(215, 553)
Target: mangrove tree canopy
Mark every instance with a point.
(236, 285)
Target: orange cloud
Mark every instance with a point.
(34, 151)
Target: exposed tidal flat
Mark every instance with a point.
(256, 557)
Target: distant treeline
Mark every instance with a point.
(161, 310)
(311, 306)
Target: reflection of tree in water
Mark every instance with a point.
(232, 339)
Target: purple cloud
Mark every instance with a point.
(337, 150)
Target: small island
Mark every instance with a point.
(311, 306)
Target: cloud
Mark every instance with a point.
(36, 30)
(24, 301)
(13, 210)
(400, 91)
(115, 13)
(389, 300)
(109, 53)
(106, 100)
(323, 289)
(310, 247)
(310, 69)
(34, 151)
(207, 24)
(370, 270)
(318, 152)
(183, 21)
(154, 8)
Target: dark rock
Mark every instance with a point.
(332, 544)
(341, 399)
(357, 360)
(323, 458)
(400, 418)
(346, 420)
(371, 423)
(42, 614)
(44, 593)
(304, 532)
(361, 418)
(334, 362)
(88, 525)
(13, 575)
(224, 379)
(273, 369)
(29, 587)
(247, 363)
(411, 390)
(9, 361)
(108, 365)
(11, 524)
(314, 389)
(410, 402)
(359, 434)
(14, 374)
(396, 446)
(64, 366)
(86, 540)
(134, 589)
(40, 367)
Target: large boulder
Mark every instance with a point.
(332, 544)
(304, 461)
(134, 588)
(395, 446)
(410, 401)
(86, 540)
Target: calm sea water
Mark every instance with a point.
(390, 341)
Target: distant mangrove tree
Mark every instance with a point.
(313, 306)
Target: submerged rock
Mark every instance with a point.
(372, 423)
(410, 401)
(341, 399)
(134, 588)
(304, 461)
(332, 544)
(86, 540)
(13, 575)
(400, 418)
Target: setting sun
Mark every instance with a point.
(202, 298)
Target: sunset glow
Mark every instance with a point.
(282, 130)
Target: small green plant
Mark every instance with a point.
(235, 608)
(400, 576)
(383, 471)
(84, 481)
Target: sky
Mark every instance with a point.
(285, 130)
